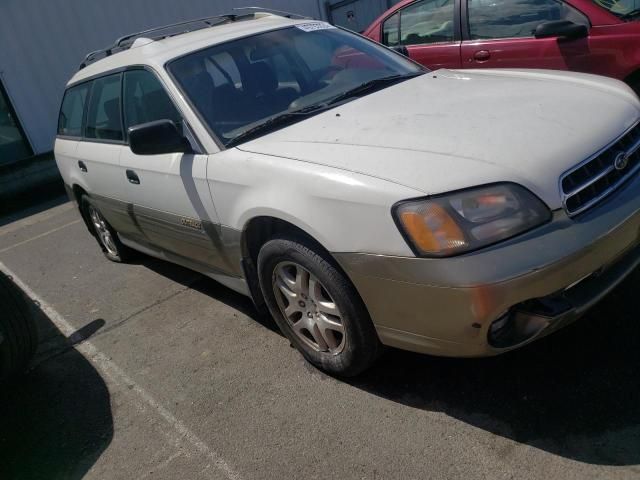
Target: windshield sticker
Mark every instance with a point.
(312, 27)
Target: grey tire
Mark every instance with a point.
(316, 306)
(18, 333)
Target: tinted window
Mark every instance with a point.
(516, 18)
(429, 21)
(145, 99)
(72, 111)
(391, 30)
(620, 7)
(223, 69)
(103, 117)
(279, 71)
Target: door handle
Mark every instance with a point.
(133, 177)
(482, 55)
(82, 166)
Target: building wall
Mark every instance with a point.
(43, 42)
(357, 15)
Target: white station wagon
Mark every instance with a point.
(361, 199)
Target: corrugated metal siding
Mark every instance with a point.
(359, 14)
(43, 42)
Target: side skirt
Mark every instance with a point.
(237, 284)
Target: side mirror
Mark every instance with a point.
(155, 138)
(402, 50)
(563, 29)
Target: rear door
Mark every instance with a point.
(70, 134)
(170, 194)
(429, 30)
(98, 153)
(500, 34)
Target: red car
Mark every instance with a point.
(594, 36)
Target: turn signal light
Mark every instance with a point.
(432, 229)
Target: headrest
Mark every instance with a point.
(261, 79)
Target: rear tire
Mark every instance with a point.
(18, 333)
(104, 233)
(316, 307)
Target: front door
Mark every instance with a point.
(170, 194)
(428, 29)
(500, 34)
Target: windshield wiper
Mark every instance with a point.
(288, 117)
(276, 121)
(631, 15)
(376, 83)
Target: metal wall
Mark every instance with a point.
(356, 15)
(42, 42)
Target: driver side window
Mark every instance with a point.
(423, 22)
(145, 100)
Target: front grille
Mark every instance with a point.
(593, 180)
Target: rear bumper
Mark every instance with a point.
(505, 296)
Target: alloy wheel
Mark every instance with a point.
(308, 308)
(102, 230)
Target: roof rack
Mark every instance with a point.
(125, 42)
(282, 13)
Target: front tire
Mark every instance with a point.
(104, 233)
(317, 307)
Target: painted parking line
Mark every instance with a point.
(28, 240)
(19, 223)
(180, 433)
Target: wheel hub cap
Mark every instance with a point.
(103, 232)
(308, 308)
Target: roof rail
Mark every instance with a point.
(282, 13)
(125, 42)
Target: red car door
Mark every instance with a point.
(429, 31)
(500, 34)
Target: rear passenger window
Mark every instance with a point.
(103, 118)
(428, 21)
(72, 111)
(145, 100)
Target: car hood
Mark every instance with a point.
(448, 130)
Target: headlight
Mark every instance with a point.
(466, 220)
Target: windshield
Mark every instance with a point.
(619, 7)
(238, 85)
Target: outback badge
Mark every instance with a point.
(191, 223)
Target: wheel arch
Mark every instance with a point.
(259, 230)
(78, 192)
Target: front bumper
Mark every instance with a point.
(529, 286)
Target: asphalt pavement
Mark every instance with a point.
(148, 370)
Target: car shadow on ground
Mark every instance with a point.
(55, 420)
(575, 394)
